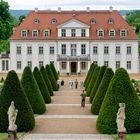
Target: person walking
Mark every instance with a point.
(76, 83)
(83, 98)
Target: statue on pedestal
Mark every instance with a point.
(120, 118)
(12, 114)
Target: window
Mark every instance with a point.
(95, 50)
(40, 64)
(63, 65)
(36, 21)
(46, 33)
(123, 33)
(110, 21)
(106, 63)
(95, 62)
(92, 21)
(83, 32)
(29, 50)
(5, 65)
(117, 64)
(73, 32)
(83, 49)
(52, 62)
(63, 32)
(128, 65)
(83, 65)
(118, 50)
(18, 50)
(53, 21)
(112, 33)
(35, 33)
(40, 50)
(51, 50)
(24, 33)
(128, 49)
(100, 33)
(106, 51)
(18, 65)
(29, 63)
(63, 49)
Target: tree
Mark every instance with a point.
(101, 92)
(46, 79)
(13, 91)
(93, 79)
(54, 71)
(32, 91)
(120, 90)
(42, 85)
(97, 83)
(51, 78)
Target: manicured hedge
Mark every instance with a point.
(101, 92)
(46, 79)
(55, 73)
(120, 90)
(93, 80)
(51, 78)
(97, 83)
(32, 91)
(13, 91)
(42, 85)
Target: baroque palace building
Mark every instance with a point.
(72, 40)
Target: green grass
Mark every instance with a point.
(4, 136)
(130, 136)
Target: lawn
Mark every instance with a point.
(130, 136)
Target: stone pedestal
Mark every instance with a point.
(12, 135)
(121, 136)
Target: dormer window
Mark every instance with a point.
(111, 32)
(35, 33)
(100, 33)
(53, 21)
(63, 32)
(83, 32)
(92, 21)
(46, 32)
(110, 21)
(24, 33)
(123, 33)
(36, 21)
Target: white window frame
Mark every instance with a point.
(118, 64)
(41, 50)
(63, 32)
(100, 33)
(63, 49)
(118, 50)
(95, 49)
(46, 33)
(123, 32)
(51, 50)
(83, 32)
(24, 33)
(106, 50)
(18, 50)
(35, 33)
(129, 50)
(29, 64)
(40, 63)
(73, 32)
(63, 65)
(106, 63)
(83, 65)
(19, 65)
(83, 49)
(112, 33)
(29, 50)
(129, 65)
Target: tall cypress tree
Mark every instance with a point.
(13, 91)
(120, 90)
(32, 91)
(54, 71)
(42, 85)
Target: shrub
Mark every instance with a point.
(32, 91)
(42, 85)
(13, 91)
(46, 79)
(120, 90)
(101, 92)
(133, 80)
(55, 73)
(93, 79)
(97, 83)
(51, 78)
(1, 80)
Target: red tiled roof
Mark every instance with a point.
(100, 16)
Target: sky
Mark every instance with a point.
(74, 4)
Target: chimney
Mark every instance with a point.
(36, 10)
(88, 9)
(59, 9)
(111, 8)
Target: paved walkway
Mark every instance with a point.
(65, 119)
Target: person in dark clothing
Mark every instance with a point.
(83, 98)
(76, 83)
(62, 83)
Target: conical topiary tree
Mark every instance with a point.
(120, 90)
(42, 85)
(93, 80)
(54, 71)
(13, 91)
(88, 74)
(51, 78)
(46, 79)
(32, 91)
(101, 92)
(97, 83)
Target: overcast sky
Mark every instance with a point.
(74, 4)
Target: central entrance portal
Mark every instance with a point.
(73, 67)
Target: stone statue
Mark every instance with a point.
(12, 114)
(120, 118)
